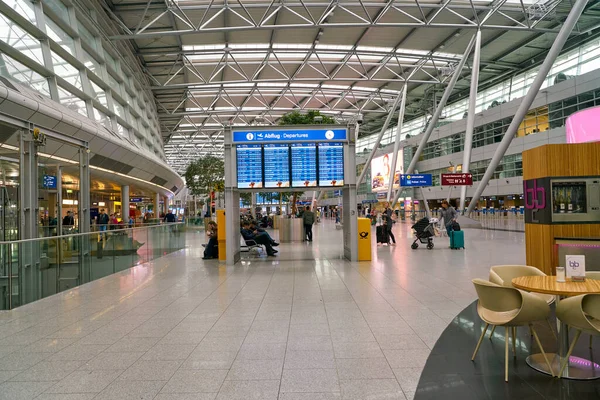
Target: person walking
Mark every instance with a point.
(308, 219)
(448, 215)
(389, 224)
(102, 220)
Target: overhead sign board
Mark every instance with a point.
(416, 180)
(136, 199)
(49, 182)
(457, 180)
(290, 135)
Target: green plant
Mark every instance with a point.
(308, 118)
(204, 176)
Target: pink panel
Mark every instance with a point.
(584, 126)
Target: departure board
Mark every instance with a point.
(331, 164)
(277, 165)
(249, 166)
(304, 164)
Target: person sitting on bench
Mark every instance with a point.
(258, 237)
(261, 231)
(211, 251)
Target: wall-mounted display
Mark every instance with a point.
(249, 166)
(381, 172)
(331, 164)
(277, 165)
(304, 165)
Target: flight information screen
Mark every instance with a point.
(331, 164)
(277, 165)
(304, 164)
(249, 166)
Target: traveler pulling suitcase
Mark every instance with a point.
(382, 234)
(457, 240)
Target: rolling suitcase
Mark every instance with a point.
(382, 234)
(457, 240)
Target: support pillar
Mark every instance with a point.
(553, 53)
(397, 144)
(125, 203)
(349, 198)
(470, 117)
(379, 137)
(156, 205)
(232, 201)
(59, 200)
(436, 115)
(84, 190)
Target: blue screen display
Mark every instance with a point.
(304, 164)
(277, 165)
(49, 182)
(249, 166)
(412, 180)
(331, 164)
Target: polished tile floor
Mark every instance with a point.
(306, 325)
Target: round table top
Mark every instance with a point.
(548, 285)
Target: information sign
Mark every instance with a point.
(331, 164)
(290, 135)
(135, 200)
(415, 180)
(249, 166)
(277, 165)
(304, 165)
(457, 180)
(49, 182)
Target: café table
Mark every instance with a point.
(577, 368)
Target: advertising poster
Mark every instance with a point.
(381, 172)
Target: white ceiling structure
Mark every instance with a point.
(213, 63)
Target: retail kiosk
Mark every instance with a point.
(288, 159)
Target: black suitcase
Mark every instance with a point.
(382, 234)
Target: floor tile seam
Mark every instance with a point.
(287, 341)
(376, 340)
(254, 319)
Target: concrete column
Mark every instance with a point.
(156, 205)
(470, 116)
(397, 144)
(84, 190)
(125, 203)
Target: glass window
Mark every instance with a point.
(10, 68)
(110, 61)
(102, 118)
(20, 40)
(121, 130)
(24, 8)
(119, 110)
(72, 102)
(59, 8)
(99, 94)
(114, 85)
(66, 71)
(87, 37)
(91, 63)
(60, 37)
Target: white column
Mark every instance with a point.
(471, 116)
(553, 53)
(156, 205)
(397, 144)
(125, 203)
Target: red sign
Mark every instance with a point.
(457, 180)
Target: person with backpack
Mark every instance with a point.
(102, 221)
(448, 215)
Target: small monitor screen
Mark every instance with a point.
(249, 166)
(304, 165)
(569, 197)
(277, 165)
(331, 164)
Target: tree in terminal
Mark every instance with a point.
(205, 176)
(307, 118)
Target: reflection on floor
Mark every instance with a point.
(306, 325)
(449, 372)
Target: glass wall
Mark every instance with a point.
(93, 78)
(579, 61)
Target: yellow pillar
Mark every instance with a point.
(364, 239)
(221, 234)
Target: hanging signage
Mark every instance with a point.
(49, 182)
(136, 200)
(290, 135)
(416, 180)
(457, 180)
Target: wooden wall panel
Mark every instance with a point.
(581, 159)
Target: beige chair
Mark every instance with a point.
(504, 274)
(581, 313)
(593, 275)
(509, 307)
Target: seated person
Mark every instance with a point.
(211, 250)
(261, 231)
(259, 237)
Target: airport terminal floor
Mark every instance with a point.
(305, 325)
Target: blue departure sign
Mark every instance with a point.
(290, 135)
(331, 164)
(415, 180)
(304, 164)
(277, 165)
(249, 166)
(49, 182)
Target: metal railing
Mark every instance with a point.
(36, 268)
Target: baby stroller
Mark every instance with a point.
(425, 230)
